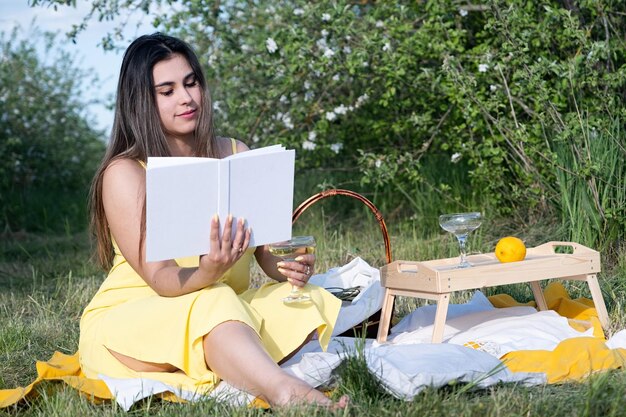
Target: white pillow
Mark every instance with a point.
(405, 370)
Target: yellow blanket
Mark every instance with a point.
(59, 367)
(66, 368)
(572, 360)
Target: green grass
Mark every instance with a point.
(592, 196)
(45, 282)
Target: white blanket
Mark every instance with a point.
(408, 363)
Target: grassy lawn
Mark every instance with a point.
(45, 281)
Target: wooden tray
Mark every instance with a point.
(436, 279)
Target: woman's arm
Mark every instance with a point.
(268, 263)
(123, 196)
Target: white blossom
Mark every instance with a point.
(308, 145)
(455, 157)
(360, 100)
(298, 11)
(287, 121)
(336, 77)
(347, 49)
(341, 109)
(386, 46)
(328, 53)
(336, 147)
(216, 106)
(321, 43)
(312, 135)
(493, 87)
(380, 24)
(483, 67)
(330, 116)
(283, 99)
(324, 32)
(255, 138)
(463, 12)
(271, 45)
(308, 96)
(326, 17)
(378, 163)
(285, 118)
(307, 85)
(245, 47)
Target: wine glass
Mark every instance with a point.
(288, 251)
(460, 225)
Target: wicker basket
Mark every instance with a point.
(369, 326)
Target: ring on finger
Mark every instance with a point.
(308, 270)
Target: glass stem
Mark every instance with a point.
(462, 239)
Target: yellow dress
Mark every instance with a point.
(128, 317)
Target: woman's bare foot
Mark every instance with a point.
(293, 391)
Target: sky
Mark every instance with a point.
(90, 56)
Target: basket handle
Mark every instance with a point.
(336, 191)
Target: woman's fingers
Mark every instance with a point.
(214, 235)
(307, 259)
(228, 247)
(242, 237)
(298, 273)
(223, 253)
(227, 234)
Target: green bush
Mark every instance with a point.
(430, 105)
(48, 147)
(409, 96)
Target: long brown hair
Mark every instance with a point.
(137, 132)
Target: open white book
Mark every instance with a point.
(184, 193)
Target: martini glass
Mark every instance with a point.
(460, 225)
(288, 251)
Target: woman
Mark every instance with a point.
(186, 322)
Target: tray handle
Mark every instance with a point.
(403, 267)
(550, 247)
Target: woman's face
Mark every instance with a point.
(178, 97)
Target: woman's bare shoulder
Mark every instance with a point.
(123, 170)
(124, 164)
(241, 147)
(225, 145)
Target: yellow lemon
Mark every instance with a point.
(510, 249)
